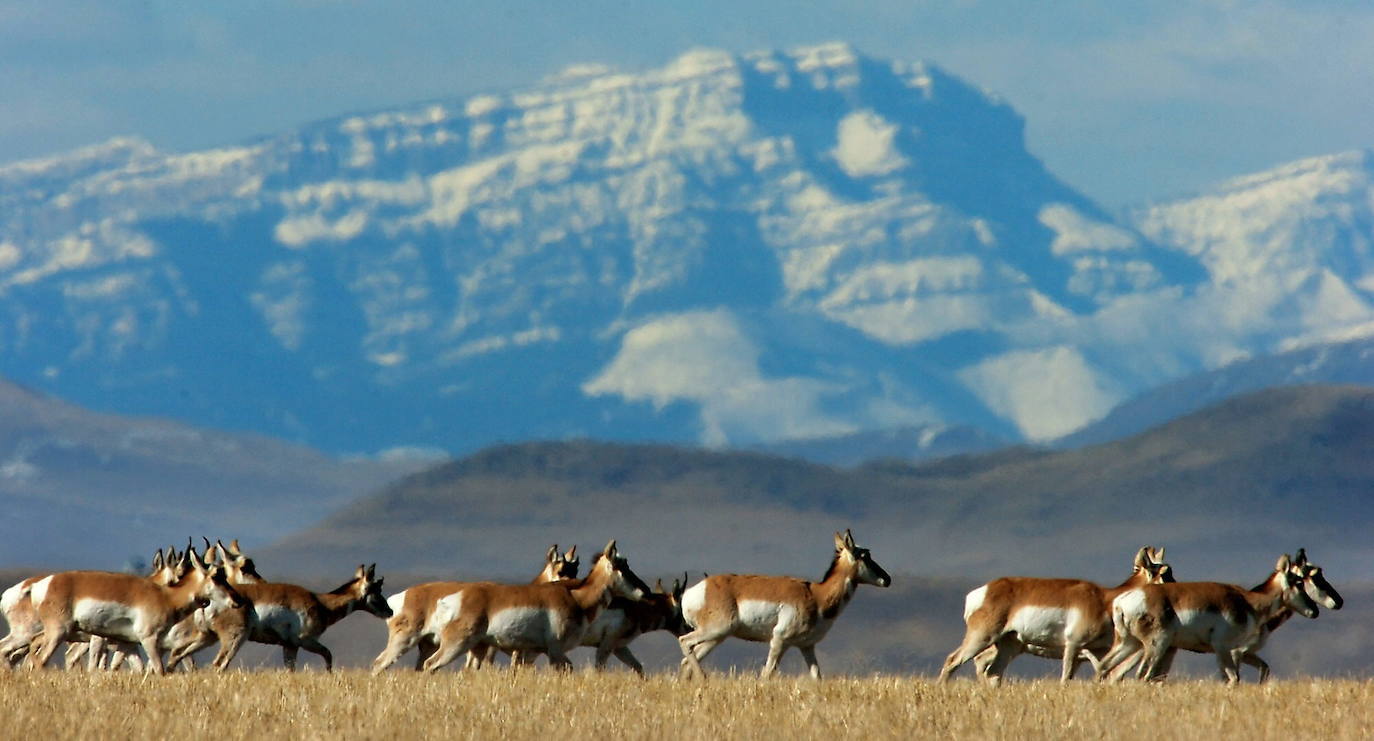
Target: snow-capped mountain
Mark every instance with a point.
(730, 249)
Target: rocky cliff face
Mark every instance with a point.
(730, 249)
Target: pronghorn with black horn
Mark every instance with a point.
(1067, 619)
(541, 618)
(412, 623)
(121, 607)
(1207, 617)
(780, 610)
(294, 617)
(1314, 584)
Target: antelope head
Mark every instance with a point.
(1290, 582)
(673, 621)
(859, 561)
(1314, 582)
(560, 566)
(212, 584)
(1150, 566)
(240, 568)
(616, 570)
(367, 587)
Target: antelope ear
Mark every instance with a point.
(157, 560)
(361, 572)
(658, 586)
(839, 541)
(194, 558)
(609, 550)
(848, 538)
(1159, 556)
(551, 554)
(1141, 556)
(371, 571)
(1283, 563)
(571, 555)
(234, 547)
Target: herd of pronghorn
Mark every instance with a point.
(193, 600)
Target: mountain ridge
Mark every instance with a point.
(729, 249)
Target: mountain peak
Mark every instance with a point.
(728, 248)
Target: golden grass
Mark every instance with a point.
(526, 704)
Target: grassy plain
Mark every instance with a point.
(526, 704)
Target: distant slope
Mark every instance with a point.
(910, 444)
(1227, 489)
(1337, 363)
(85, 489)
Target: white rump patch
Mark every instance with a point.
(40, 590)
(974, 600)
(692, 601)
(396, 602)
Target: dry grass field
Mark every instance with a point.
(540, 703)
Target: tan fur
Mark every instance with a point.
(567, 607)
(625, 620)
(991, 634)
(1153, 621)
(226, 626)
(783, 611)
(153, 608)
(294, 617)
(408, 626)
(166, 570)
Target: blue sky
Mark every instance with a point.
(1127, 101)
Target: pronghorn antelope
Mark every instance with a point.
(1205, 617)
(165, 570)
(1317, 588)
(223, 623)
(294, 617)
(781, 610)
(25, 624)
(1067, 619)
(542, 618)
(412, 623)
(625, 620)
(121, 607)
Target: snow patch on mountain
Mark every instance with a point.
(1050, 392)
(706, 358)
(866, 145)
